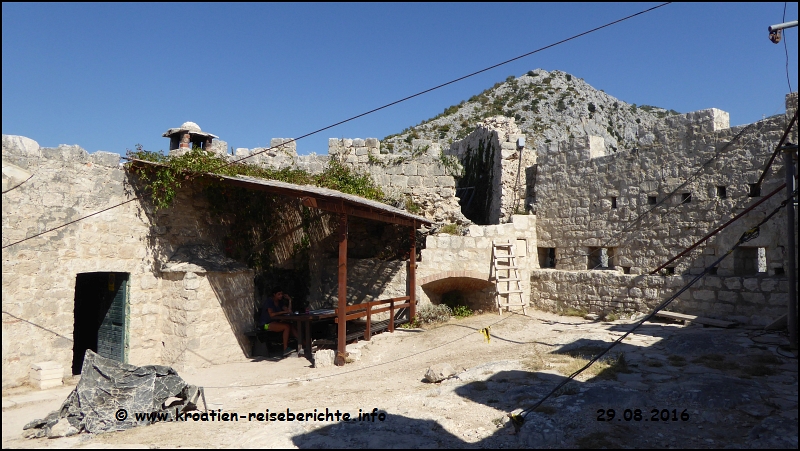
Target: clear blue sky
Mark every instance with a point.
(108, 76)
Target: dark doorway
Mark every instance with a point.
(101, 300)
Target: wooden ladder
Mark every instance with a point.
(503, 259)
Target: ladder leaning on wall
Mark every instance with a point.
(504, 260)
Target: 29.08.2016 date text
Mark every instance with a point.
(636, 415)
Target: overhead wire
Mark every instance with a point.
(390, 104)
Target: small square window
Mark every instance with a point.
(712, 271)
(547, 257)
(626, 269)
(686, 198)
(613, 202)
(779, 271)
(754, 190)
(722, 192)
(652, 200)
(669, 270)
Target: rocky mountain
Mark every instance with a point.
(547, 106)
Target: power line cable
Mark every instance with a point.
(462, 78)
(388, 105)
(752, 233)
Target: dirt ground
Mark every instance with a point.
(732, 387)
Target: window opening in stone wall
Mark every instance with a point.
(779, 271)
(686, 198)
(669, 271)
(601, 257)
(547, 257)
(626, 270)
(754, 190)
(712, 271)
(613, 202)
(652, 200)
(748, 261)
(100, 316)
(722, 192)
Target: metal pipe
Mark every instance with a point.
(788, 155)
(781, 26)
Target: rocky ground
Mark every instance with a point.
(731, 385)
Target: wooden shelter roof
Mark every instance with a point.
(322, 198)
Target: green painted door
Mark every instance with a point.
(111, 337)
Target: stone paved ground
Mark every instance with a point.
(734, 387)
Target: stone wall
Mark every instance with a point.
(470, 257)
(202, 309)
(39, 275)
(420, 177)
(586, 199)
(495, 168)
(750, 300)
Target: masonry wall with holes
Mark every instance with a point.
(597, 241)
(691, 175)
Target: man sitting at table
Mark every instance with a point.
(273, 308)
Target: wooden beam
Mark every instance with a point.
(695, 319)
(341, 347)
(412, 272)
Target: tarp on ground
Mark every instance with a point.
(110, 394)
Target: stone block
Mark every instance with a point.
(733, 283)
(750, 283)
(728, 296)
(753, 297)
(400, 181)
(48, 374)
(704, 295)
(777, 299)
(324, 358)
(475, 230)
(439, 372)
(768, 285)
(358, 142)
(414, 181)
(107, 159)
(430, 242)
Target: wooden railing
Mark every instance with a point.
(368, 309)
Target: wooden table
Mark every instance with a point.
(303, 322)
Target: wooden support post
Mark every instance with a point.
(391, 316)
(341, 346)
(368, 331)
(412, 271)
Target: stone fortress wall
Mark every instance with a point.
(586, 200)
(183, 319)
(583, 198)
(422, 177)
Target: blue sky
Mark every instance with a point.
(109, 76)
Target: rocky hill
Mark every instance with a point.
(547, 106)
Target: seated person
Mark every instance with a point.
(273, 307)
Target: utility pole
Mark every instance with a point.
(789, 151)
